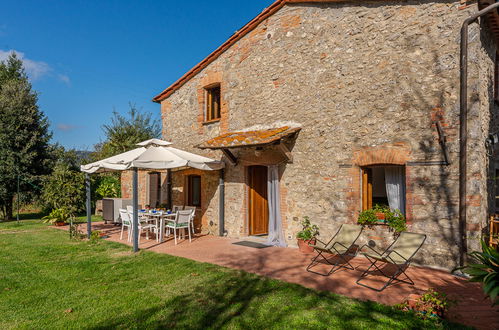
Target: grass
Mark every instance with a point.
(48, 281)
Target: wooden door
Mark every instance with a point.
(258, 203)
(154, 189)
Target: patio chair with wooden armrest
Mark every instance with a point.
(340, 245)
(399, 254)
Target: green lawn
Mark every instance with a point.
(48, 281)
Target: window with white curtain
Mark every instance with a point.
(384, 185)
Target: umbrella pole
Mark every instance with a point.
(135, 211)
(89, 205)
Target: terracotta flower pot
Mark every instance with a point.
(304, 247)
(60, 223)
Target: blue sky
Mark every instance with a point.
(86, 58)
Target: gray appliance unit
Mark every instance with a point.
(111, 208)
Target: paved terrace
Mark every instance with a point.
(288, 264)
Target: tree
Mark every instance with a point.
(125, 132)
(24, 134)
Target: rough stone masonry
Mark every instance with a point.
(367, 82)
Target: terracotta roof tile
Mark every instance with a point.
(249, 138)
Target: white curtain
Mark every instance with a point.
(276, 236)
(395, 187)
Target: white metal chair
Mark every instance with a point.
(152, 223)
(144, 225)
(193, 209)
(126, 221)
(182, 221)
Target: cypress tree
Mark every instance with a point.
(24, 134)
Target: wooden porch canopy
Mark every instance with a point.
(252, 138)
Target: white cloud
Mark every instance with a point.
(66, 127)
(34, 69)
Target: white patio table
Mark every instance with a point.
(160, 217)
(149, 216)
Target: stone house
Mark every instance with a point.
(345, 98)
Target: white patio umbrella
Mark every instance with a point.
(155, 155)
(152, 154)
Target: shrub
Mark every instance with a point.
(109, 186)
(64, 188)
(485, 270)
(57, 215)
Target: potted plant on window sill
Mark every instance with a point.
(381, 212)
(307, 236)
(393, 219)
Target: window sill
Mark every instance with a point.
(209, 122)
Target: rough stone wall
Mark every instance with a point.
(143, 188)
(367, 83)
(206, 217)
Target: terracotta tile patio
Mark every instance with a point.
(288, 264)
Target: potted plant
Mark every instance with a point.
(57, 217)
(367, 218)
(381, 212)
(307, 235)
(394, 219)
(430, 304)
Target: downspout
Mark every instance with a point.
(463, 128)
(221, 208)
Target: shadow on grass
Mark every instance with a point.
(246, 301)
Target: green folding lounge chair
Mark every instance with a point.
(399, 254)
(340, 245)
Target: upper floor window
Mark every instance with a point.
(212, 105)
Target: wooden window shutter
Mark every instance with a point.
(367, 189)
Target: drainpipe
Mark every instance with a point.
(463, 128)
(221, 208)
